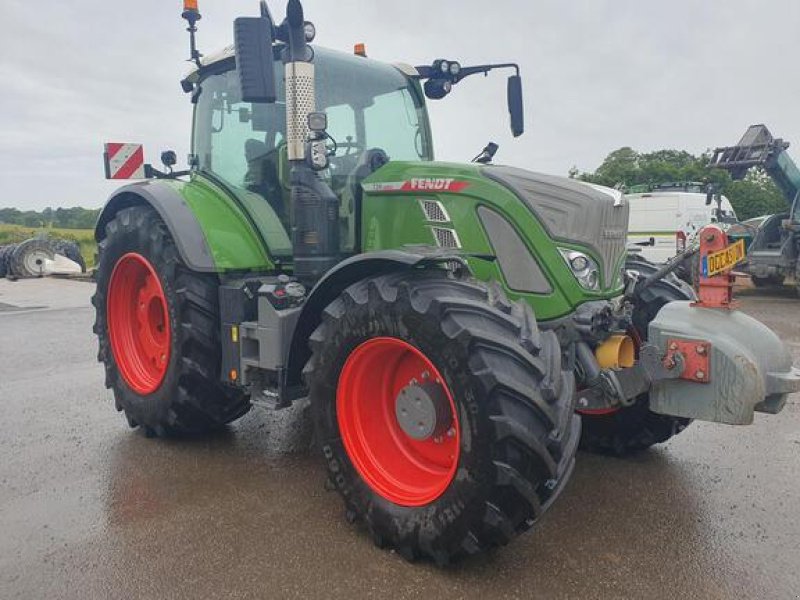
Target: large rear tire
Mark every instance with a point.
(502, 439)
(635, 428)
(158, 328)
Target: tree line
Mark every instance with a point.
(62, 218)
(753, 196)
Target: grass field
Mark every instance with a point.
(12, 234)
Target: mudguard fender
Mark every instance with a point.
(343, 275)
(173, 210)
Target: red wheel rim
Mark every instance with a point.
(598, 412)
(138, 323)
(402, 469)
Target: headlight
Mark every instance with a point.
(455, 68)
(583, 267)
(579, 263)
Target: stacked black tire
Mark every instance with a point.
(14, 258)
(514, 399)
(71, 250)
(5, 252)
(28, 258)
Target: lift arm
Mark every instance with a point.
(758, 148)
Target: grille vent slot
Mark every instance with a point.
(434, 211)
(446, 238)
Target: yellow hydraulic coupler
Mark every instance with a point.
(617, 352)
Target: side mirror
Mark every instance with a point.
(253, 40)
(516, 108)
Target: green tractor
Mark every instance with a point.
(459, 330)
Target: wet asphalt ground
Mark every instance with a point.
(92, 509)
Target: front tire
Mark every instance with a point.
(635, 428)
(158, 327)
(501, 442)
(769, 281)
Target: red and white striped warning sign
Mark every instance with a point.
(124, 161)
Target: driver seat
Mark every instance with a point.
(262, 176)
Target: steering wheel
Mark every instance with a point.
(271, 151)
(351, 146)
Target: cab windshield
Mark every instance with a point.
(370, 105)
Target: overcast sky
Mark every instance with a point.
(598, 75)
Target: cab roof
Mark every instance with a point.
(229, 53)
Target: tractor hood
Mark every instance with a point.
(528, 221)
(572, 211)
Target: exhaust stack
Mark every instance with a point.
(315, 208)
(300, 87)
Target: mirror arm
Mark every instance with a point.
(428, 72)
(466, 72)
(150, 172)
(439, 83)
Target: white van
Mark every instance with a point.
(663, 222)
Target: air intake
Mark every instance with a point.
(434, 211)
(446, 238)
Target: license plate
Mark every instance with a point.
(723, 260)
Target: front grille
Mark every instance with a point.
(446, 238)
(612, 244)
(573, 212)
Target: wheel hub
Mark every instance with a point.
(138, 323)
(35, 262)
(398, 421)
(423, 410)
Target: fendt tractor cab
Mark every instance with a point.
(444, 321)
(774, 253)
